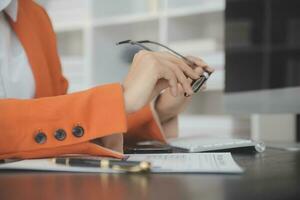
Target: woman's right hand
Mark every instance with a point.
(152, 72)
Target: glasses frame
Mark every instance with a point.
(196, 83)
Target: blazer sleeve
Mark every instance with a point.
(28, 128)
(144, 125)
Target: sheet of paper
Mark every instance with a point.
(190, 162)
(161, 163)
(49, 165)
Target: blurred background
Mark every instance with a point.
(87, 31)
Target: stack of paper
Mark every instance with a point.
(161, 163)
(190, 162)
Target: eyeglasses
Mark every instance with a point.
(196, 84)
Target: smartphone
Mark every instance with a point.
(148, 148)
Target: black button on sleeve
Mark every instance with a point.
(60, 134)
(40, 138)
(78, 131)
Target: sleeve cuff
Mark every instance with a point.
(83, 116)
(144, 125)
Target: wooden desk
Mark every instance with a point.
(273, 174)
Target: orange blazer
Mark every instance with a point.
(56, 123)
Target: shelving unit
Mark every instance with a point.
(192, 27)
(92, 27)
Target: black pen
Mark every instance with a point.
(119, 165)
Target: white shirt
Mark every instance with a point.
(16, 77)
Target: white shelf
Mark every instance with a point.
(212, 125)
(71, 65)
(216, 81)
(169, 22)
(196, 10)
(127, 19)
(103, 22)
(66, 15)
(73, 70)
(214, 59)
(70, 26)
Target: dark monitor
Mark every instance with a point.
(262, 48)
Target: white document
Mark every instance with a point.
(49, 165)
(190, 162)
(161, 163)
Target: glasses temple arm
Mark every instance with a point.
(134, 43)
(178, 54)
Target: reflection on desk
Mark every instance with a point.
(273, 174)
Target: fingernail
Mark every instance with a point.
(186, 95)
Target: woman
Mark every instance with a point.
(37, 117)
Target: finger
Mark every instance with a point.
(196, 60)
(181, 78)
(199, 70)
(180, 89)
(187, 70)
(172, 80)
(181, 93)
(201, 63)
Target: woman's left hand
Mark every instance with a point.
(167, 106)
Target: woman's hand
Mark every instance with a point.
(168, 106)
(152, 72)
